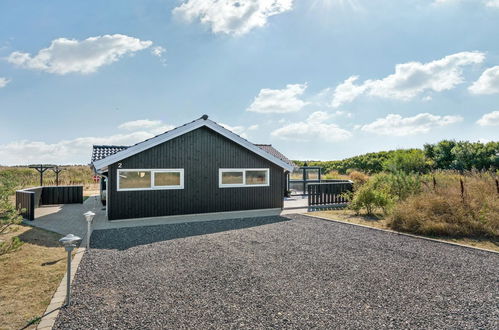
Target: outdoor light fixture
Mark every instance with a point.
(69, 242)
(89, 216)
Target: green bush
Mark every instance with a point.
(383, 190)
(370, 197)
(399, 185)
(407, 161)
(9, 246)
(8, 213)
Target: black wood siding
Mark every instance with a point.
(62, 195)
(25, 202)
(201, 153)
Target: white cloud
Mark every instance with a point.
(492, 3)
(488, 83)
(234, 17)
(489, 119)
(158, 51)
(75, 151)
(313, 128)
(410, 79)
(397, 125)
(487, 3)
(279, 100)
(79, 150)
(240, 130)
(153, 126)
(346, 92)
(139, 124)
(3, 82)
(65, 56)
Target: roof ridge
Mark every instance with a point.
(210, 124)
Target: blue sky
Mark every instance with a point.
(319, 79)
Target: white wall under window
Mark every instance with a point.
(243, 177)
(150, 179)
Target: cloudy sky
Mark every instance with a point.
(318, 79)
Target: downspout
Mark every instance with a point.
(100, 188)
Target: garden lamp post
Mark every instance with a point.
(89, 216)
(69, 242)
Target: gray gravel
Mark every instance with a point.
(295, 272)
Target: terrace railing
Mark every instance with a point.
(328, 193)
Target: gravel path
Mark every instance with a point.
(294, 272)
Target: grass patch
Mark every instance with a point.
(378, 221)
(458, 206)
(346, 215)
(29, 276)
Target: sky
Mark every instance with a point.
(317, 79)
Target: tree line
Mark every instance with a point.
(444, 155)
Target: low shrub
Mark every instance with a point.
(381, 191)
(358, 178)
(444, 210)
(334, 175)
(11, 245)
(370, 197)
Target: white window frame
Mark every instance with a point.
(153, 171)
(238, 185)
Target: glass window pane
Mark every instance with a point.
(232, 177)
(167, 178)
(135, 179)
(297, 174)
(256, 177)
(312, 173)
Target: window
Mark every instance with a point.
(235, 177)
(150, 179)
(239, 177)
(167, 179)
(256, 177)
(134, 179)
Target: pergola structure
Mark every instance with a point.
(300, 177)
(57, 170)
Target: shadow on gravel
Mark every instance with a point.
(125, 238)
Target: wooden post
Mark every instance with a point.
(434, 183)
(462, 188)
(41, 169)
(57, 170)
(497, 185)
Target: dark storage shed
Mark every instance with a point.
(200, 167)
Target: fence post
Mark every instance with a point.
(462, 188)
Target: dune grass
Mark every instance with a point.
(29, 276)
(380, 222)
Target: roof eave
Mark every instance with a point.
(101, 164)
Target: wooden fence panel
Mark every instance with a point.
(62, 195)
(25, 203)
(328, 193)
(28, 200)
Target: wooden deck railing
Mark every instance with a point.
(328, 193)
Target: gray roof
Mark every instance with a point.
(274, 152)
(102, 151)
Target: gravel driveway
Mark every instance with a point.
(293, 272)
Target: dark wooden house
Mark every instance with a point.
(200, 167)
